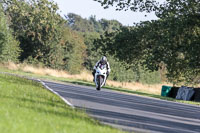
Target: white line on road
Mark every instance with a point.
(47, 87)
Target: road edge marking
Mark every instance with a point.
(38, 80)
(48, 88)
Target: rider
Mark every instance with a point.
(103, 61)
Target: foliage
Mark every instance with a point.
(43, 35)
(92, 53)
(77, 23)
(96, 24)
(112, 45)
(134, 5)
(38, 28)
(110, 25)
(172, 42)
(95, 43)
(9, 46)
(74, 51)
(46, 39)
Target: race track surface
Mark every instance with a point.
(131, 112)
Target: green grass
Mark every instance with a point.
(26, 107)
(86, 83)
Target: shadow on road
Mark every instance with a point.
(135, 121)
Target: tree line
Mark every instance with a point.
(171, 43)
(92, 30)
(32, 31)
(40, 35)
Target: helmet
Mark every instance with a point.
(104, 60)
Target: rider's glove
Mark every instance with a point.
(107, 73)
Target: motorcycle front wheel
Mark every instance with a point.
(99, 82)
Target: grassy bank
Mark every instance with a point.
(26, 107)
(85, 79)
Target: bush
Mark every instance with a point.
(9, 46)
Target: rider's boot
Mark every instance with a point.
(105, 83)
(93, 79)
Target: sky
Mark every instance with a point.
(86, 8)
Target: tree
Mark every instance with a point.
(44, 35)
(95, 23)
(134, 5)
(92, 54)
(110, 25)
(177, 40)
(77, 23)
(74, 51)
(38, 27)
(9, 46)
(171, 42)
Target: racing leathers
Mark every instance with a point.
(100, 63)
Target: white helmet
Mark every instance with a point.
(104, 60)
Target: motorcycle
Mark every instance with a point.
(100, 76)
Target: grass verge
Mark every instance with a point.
(87, 83)
(26, 107)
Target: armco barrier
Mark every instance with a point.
(197, 94)
(173, 92)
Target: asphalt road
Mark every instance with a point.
(131, 112)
